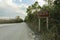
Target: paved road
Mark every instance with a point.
(18, 31)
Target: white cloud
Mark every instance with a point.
(20, 0)
(6, 17)
(0, 0)
(10, 3)
(23, 5)
(21, 11)
(41, 2)
(12, 7)
(5, 3)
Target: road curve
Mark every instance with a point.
(17, 31)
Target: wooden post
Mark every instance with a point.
(39, 24)
(47, 22)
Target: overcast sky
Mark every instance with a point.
(13, 8)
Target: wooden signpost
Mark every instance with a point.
(43, 14)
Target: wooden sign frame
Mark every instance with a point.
(43, 14)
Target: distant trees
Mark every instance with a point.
(18, 19)
(15, 20)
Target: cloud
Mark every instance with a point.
(0, 0)
(23, 5)
(9, 12)
(10, 3)
(10, 9)
(20, 0)
(41, 2)
(15, 7)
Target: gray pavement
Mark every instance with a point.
(17, 31)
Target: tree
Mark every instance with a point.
(32, 10)
(18, 19)
(50, 2)
(57, 9)
(57, 15)
(54, 18)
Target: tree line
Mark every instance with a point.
(13, 20)
(53, 8)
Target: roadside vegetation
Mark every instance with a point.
(53, 7)
(15, 20)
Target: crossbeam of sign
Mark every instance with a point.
(43, 14)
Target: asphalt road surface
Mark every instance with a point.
(17, 31)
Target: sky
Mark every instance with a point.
(13, 8)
